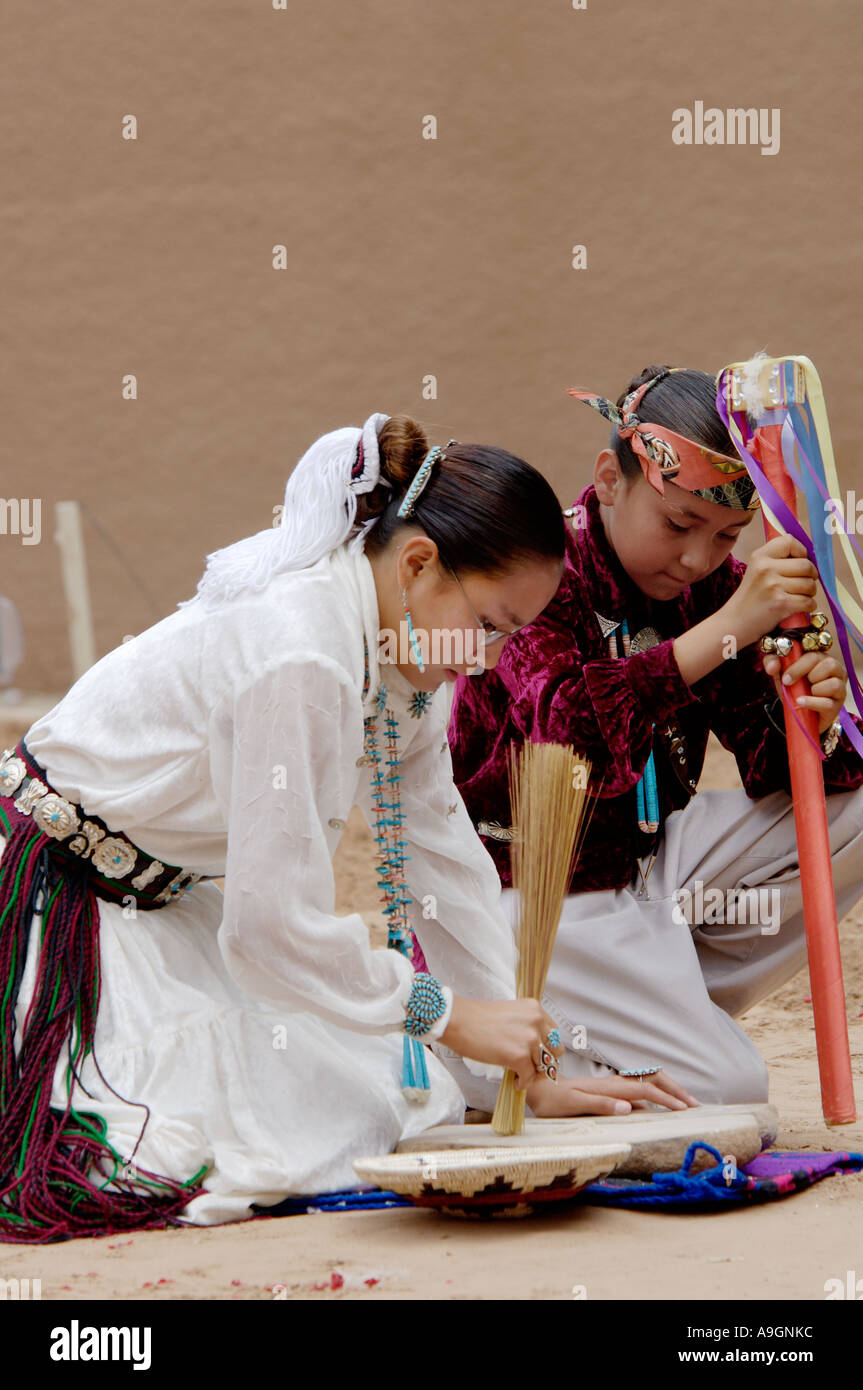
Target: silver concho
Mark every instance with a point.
(496, 831)
(12, 772)
(56, 816)
(114, 858)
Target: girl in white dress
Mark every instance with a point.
(170, 1053)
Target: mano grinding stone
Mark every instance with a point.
(658, 1139)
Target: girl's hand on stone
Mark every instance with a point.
(605, 1095)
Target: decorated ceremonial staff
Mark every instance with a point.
(774, 407)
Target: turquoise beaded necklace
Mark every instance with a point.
(389, 817)
(391, 857)
(647, 794)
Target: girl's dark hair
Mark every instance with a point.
(484, 508)
(682, 401)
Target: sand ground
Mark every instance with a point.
(783, 1250)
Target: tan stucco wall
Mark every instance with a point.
(407, 256)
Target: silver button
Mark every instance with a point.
(336, 824)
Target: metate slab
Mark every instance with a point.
(658, 1139)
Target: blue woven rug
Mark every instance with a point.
(775, 1173)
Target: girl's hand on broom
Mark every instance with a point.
(503, 1032)
(605, 1095)
(827, 679)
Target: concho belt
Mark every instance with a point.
(119, 869)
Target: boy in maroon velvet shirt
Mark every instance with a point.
(651, 641)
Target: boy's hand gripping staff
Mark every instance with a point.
(755, 398)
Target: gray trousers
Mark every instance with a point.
(654, 980)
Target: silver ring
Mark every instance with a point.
(547, 1063)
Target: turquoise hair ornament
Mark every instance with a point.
(420, 480)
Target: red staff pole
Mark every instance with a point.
(813, 845)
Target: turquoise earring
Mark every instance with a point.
(412, 636)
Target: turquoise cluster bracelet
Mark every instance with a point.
(426, 1003)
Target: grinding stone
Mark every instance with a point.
(658, 1139)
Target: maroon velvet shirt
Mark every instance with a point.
(556, 683)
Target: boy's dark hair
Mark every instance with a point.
(682, 401)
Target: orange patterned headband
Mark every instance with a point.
(666, 456)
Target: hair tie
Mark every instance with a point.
(366, 471)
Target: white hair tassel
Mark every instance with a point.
(318, 515)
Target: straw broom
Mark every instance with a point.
(548, 786)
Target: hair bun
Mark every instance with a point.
(648, 374)
(402, 445)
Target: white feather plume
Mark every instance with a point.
(750, 387)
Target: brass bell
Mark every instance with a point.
(784, 646)
(818, 620)
(825, 641)
(768, 644)
(809, 641)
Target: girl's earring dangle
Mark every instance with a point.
(412, 636)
